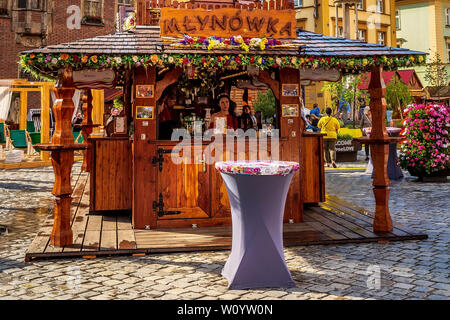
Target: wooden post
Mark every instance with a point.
(87, 129)
(379, 147)
(62, 161)
(291, 128)
(23, 110)
(98, 103)
(45, 118)
(144, 172)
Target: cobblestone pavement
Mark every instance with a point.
(394, 270)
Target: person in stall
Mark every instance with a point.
(167, 116)
(225, 118)
(247, 120)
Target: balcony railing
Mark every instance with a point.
(149, 13)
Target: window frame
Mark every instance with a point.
(360, 5)
(384, 37)
(340, 33)
(398, 24)
(365, 35)
(299, 5)
(382, 6)
(83, 10)
(5, 10)
(448, 51)
(447, 17)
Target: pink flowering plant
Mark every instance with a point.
(425, 149)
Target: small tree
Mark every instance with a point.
(398, 95)
(436, 74)
(266, 103)
(335, 89)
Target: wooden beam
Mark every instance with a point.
(23, 110)
(98, 107)
(45, 118)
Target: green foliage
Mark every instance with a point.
(266, 103)
(397, 95)
(435, 72)
(118, 103)
(347, 88)
(346, 136)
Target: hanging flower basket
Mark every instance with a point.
(425, 152)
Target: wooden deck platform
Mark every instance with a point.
(31, 162)
(333, 222)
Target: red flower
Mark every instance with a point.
(238, 60)
(227, 42)
(278, 42)
(185, 61)
(203, 60)
(311, 59)
(252, 59)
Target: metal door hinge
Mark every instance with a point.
(159, 208)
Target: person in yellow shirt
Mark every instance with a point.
(330, 126)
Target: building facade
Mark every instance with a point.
(424, 26)
(27, 24)
(376, 24)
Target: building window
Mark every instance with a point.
(447, 17)
(448, 52)
(380, 6)
(35, 4)
(92, 11)
(3, 7)
(22, 4)
(362, 34)
(340, 32)
(381, 36)
(360, 5)
(397, 19)
(298, 3)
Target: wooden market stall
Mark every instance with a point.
(131, 167)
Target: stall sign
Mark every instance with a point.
(320, 74)
(94, 79)
(227, 22)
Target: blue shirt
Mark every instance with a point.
(315, 111)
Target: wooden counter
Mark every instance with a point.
(110, 187)
(165, 194)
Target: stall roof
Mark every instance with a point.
(147, 40)
(316, 44)
(145, 47)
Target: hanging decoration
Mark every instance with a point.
(235, 42)
(46, 65)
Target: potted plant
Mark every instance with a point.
(425, 150)
(92, 19)
(346, 148)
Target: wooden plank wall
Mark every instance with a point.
(111, 180)
(313, 182)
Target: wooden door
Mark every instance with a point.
(182, 187)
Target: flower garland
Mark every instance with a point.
(244, 44)
(43, 65)
(427, 144)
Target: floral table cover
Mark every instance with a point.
(258, 167)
